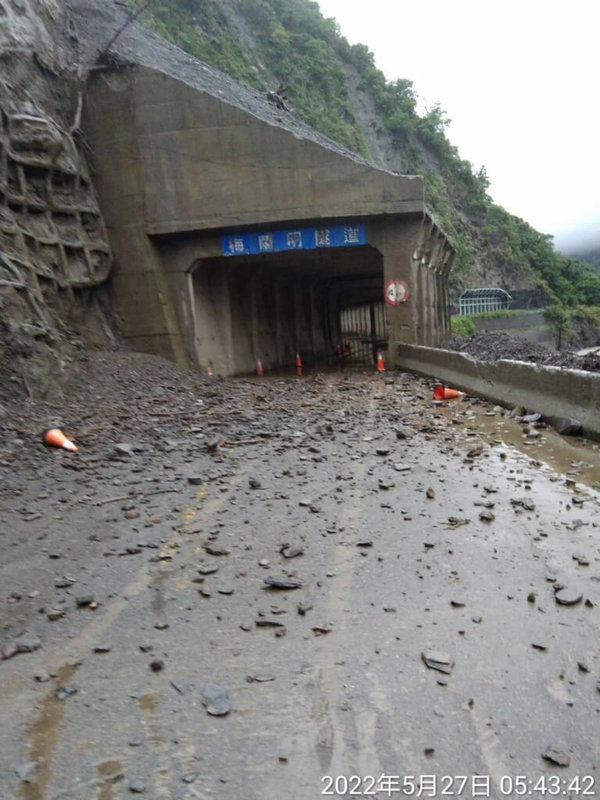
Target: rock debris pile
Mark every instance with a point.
(494, 346)
(235, 584)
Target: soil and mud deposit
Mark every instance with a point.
(239, 586)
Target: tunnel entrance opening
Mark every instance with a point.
(363, 332)
(270, 307)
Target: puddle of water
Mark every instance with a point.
(334, 369)
(43, 735)
(578, 458)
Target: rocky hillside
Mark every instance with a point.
(54, 254)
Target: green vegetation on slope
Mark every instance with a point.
(265, 43)
(462, 326)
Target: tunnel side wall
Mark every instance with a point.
(416, 252)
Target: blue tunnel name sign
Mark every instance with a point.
(248, 244)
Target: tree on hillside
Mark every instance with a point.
(559, 320)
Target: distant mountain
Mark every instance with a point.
(591, 257)
(583, 244)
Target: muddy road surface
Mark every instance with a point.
(236, 589)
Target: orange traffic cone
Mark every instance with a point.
(56, 438)
(209, 371)
(298, 364)
(259, 368)
(380, 364)
(444, 393)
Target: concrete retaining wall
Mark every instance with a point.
(532, 319)
(532, 327)
(551, 391)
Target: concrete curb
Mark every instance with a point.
(554, 392)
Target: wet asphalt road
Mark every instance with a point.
(109, 566)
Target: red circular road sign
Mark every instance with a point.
(395, 292)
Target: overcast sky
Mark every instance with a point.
(519, 80)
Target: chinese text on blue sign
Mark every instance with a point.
(246, 244)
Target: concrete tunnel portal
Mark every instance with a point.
(240, 236)
(283, 303)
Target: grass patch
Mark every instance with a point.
(462, 325)
(503, 313)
